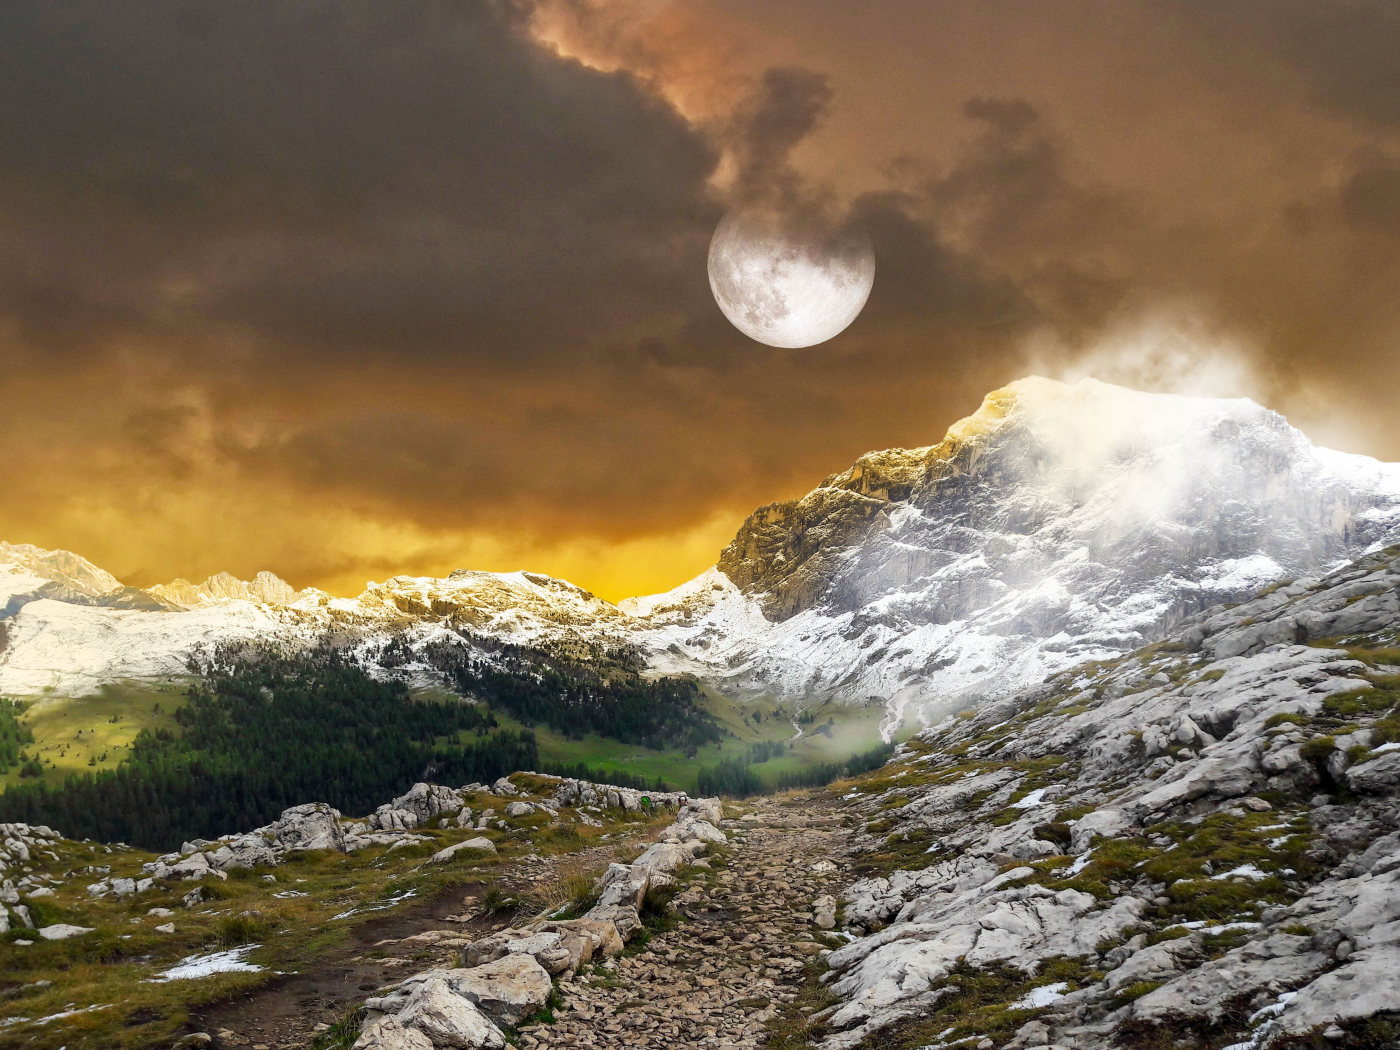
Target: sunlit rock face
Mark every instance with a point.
(1058, 523)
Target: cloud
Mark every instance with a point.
(338, 287)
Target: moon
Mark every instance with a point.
(787, 289)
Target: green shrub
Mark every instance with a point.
(1137, 990)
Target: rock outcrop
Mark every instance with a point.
(1208, 829)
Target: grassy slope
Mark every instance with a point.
(57, 721)
(856, 729)
(68, 731)
(112, 966)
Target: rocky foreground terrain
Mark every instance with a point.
(1197, 845)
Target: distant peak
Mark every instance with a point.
(266, 587)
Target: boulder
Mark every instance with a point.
(1377, 776)
(61, 931)
(1210, 991)
(479, 843)
(246, 851)
(824, 912)
(519, 809)
(426, 802)
(449, 1019)
(504, 787)
(546, 947)
(386, 1033)
(389, 818)
(195, 866)
(313, 825)
(693, 828)
(585, 939)
(1367, 985)
(622, 884)
(505, 989)
(1101, 822)
(710, 809)
(622, 917)
(1034, 849)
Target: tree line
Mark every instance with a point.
(575, 699)
(736, 776)
(264, 731)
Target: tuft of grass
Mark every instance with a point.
(1136, 990)
(793, 1029)
(342, 1034)
(240, 929)
(977, 1002)
(570, 894)
(495, 900)
(656, 912)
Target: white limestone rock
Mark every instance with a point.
(1282, 960)
(427, 802)
(479, 843)
(61, 931)
(388, 1033)
(504, 989)
(312, 826)
(449, 1019)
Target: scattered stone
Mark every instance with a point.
(61, 931)
(480, 844)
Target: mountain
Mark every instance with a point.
(1057, 524)
(28, 573)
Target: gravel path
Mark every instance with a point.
(718, 978)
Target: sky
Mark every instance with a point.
(344, 290)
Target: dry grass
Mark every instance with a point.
(307, 913)
(570, 890)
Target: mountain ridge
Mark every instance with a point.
(1056, 524)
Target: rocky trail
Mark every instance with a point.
(719, 976)
(743, 926)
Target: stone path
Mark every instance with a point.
(716, 980)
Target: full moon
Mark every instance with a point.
(784, 289)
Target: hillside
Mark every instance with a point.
(1194, 844)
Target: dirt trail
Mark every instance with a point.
(714, 981)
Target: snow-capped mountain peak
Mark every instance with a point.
(223, 587)
(1057, 523)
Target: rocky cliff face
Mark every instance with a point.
(29, 573)
(1056, 524)
(224, 587)
(1130, 487)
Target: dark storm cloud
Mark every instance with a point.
(353, 177)
(1347, 47)
(264, 263)
(412, 259)
(785, 110)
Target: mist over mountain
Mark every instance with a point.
(1057, 524)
